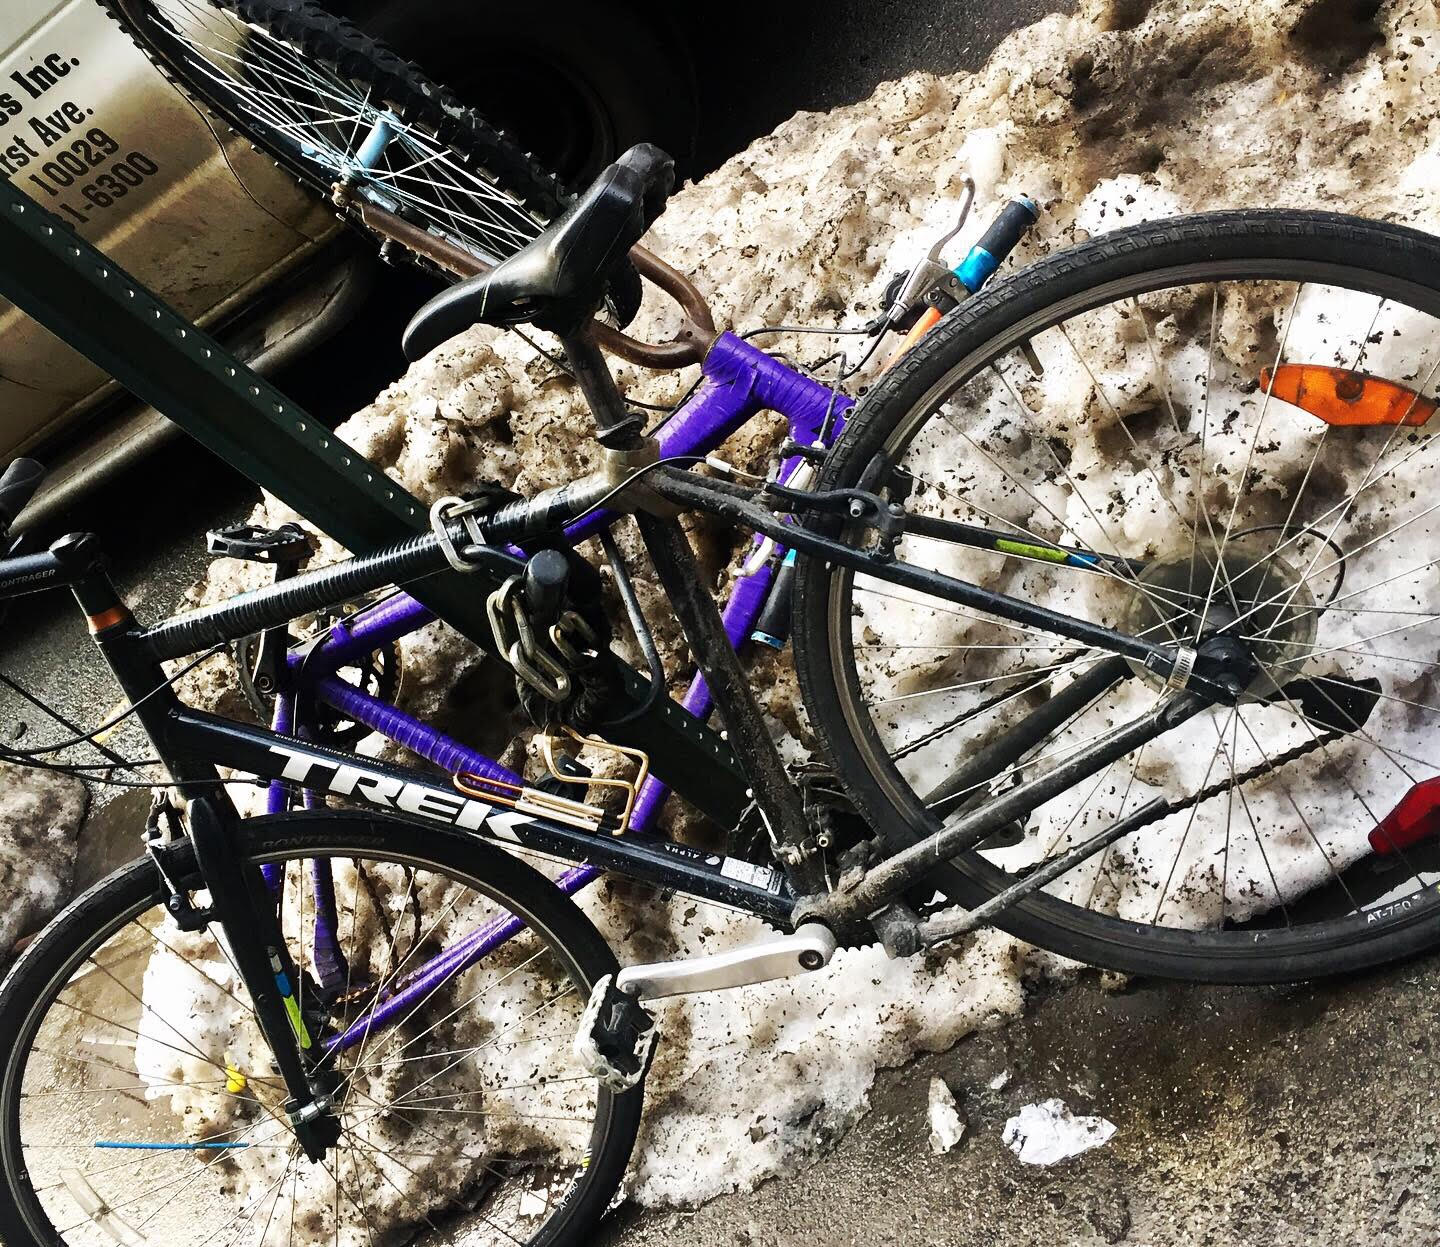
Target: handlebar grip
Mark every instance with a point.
(997, 242)
(17, 486)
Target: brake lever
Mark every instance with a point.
(932, 271)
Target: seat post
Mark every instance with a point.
(588, 366)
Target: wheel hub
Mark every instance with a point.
(1255, 598)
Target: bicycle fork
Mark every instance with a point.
(247, 913)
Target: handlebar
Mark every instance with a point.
(689, 345)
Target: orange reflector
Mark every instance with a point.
(1339, 396)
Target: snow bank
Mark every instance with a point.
(1124, 111)
(40, 814)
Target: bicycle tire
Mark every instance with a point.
(343, 49)
(1386, 260)
(45, 967)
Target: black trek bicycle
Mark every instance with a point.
(1116, 623)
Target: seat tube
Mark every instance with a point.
(740, 382)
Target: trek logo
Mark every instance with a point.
(390, 793)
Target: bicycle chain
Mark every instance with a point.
(1235, 781)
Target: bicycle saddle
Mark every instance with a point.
(559, 281)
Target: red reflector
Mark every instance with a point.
(1414, 819)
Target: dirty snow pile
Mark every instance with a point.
(1124, 111)
(40, 815)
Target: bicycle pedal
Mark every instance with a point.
(287, 544)
(616, 1037)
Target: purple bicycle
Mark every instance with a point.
(1095, 602)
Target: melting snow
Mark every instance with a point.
(1047, 1133)
(947, 1127)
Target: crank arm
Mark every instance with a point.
(617, 1035)
(780, 957)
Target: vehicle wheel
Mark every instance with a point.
(614, 74)
(138, 1104)
(1223, 417)
(311, 89)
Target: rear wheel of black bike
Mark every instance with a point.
(1228, 417)
(138, 1102)
(310, 89)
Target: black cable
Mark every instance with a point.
(641, 630)
(848, 373)
(864, 359)
(828, 423)
(764, 329)
(78, 772)
(16, 687)
(88, 737)
(630, 480)
(565, 368)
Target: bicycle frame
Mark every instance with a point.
(739, 381)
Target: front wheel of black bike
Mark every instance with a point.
(139, 1103)
(1213, 426)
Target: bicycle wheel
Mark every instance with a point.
(138, 1105)
(309, 88)
(1225, 417)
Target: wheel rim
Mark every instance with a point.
(146, 1038)
(322, 120)
(1187, 934)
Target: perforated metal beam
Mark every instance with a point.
(81, 296)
